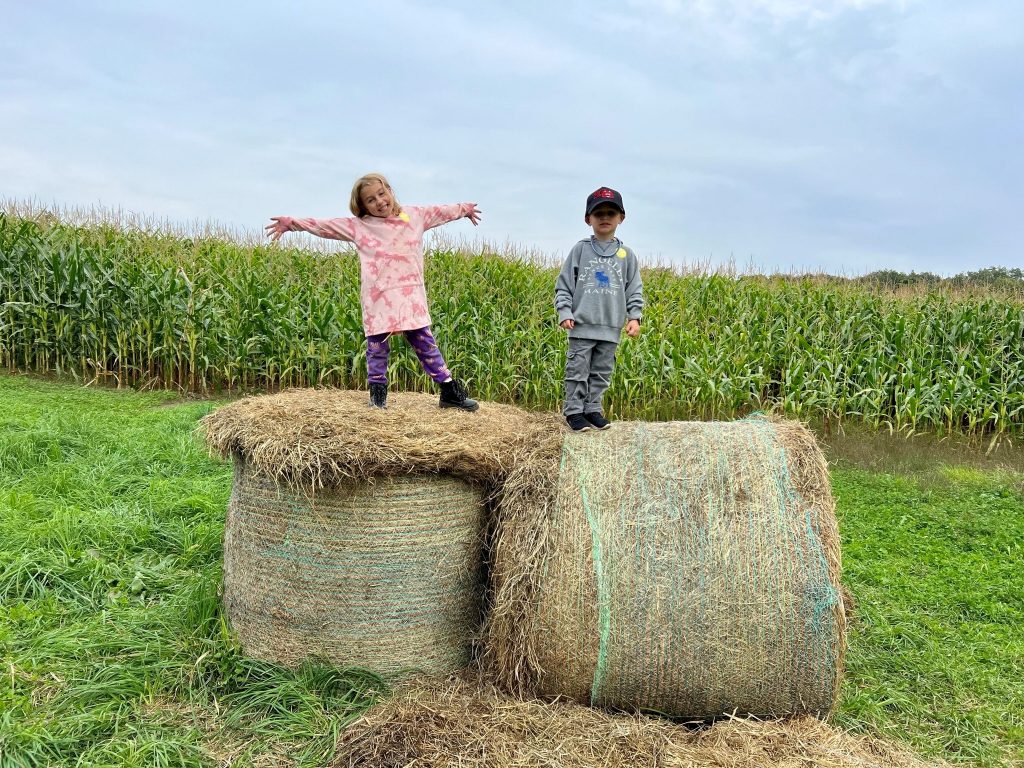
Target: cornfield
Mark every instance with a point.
(208, 314)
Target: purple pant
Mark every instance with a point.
(378, 348)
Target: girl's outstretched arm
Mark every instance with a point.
(436, 215)
(335, 229)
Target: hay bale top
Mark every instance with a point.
(323, 437)
(455, 723)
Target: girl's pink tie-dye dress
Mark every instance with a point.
(392, 291)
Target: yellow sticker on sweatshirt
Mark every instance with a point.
(403, 216)
(621, 253)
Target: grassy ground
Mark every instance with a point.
(937, 642)
(114, 651)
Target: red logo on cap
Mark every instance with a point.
(604, 192)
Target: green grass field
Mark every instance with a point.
(115, 652)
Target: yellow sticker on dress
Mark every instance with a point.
(621, 253)
(403, 216)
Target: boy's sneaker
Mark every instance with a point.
(577, 422)
(597, 420)
(454, 395)
(378, 395)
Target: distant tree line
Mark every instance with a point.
(990, 277)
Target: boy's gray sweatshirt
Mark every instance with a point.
(599, 288)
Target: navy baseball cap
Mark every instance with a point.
(602, 196)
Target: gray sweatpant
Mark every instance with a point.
(588, 372)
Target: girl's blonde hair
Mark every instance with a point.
(355, 203)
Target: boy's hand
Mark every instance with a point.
(474, 214)
(568, 324)
(632, 328)
(279, 225)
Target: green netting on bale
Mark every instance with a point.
(691, 569)
(381, 574)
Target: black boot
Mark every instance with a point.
(454, 395)
(378, 395)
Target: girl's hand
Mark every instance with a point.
(632, 328)
(568, 324)
(280, 225)
(474, 214)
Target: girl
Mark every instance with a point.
(389, 240)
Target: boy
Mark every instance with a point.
(597, 291)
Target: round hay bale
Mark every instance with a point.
(381, 574)
(348, 534)
(684, 567)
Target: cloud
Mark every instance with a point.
(787, 129)
(63, 181)
(782, 11)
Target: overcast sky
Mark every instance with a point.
(835, 135)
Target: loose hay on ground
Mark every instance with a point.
(458, 724)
